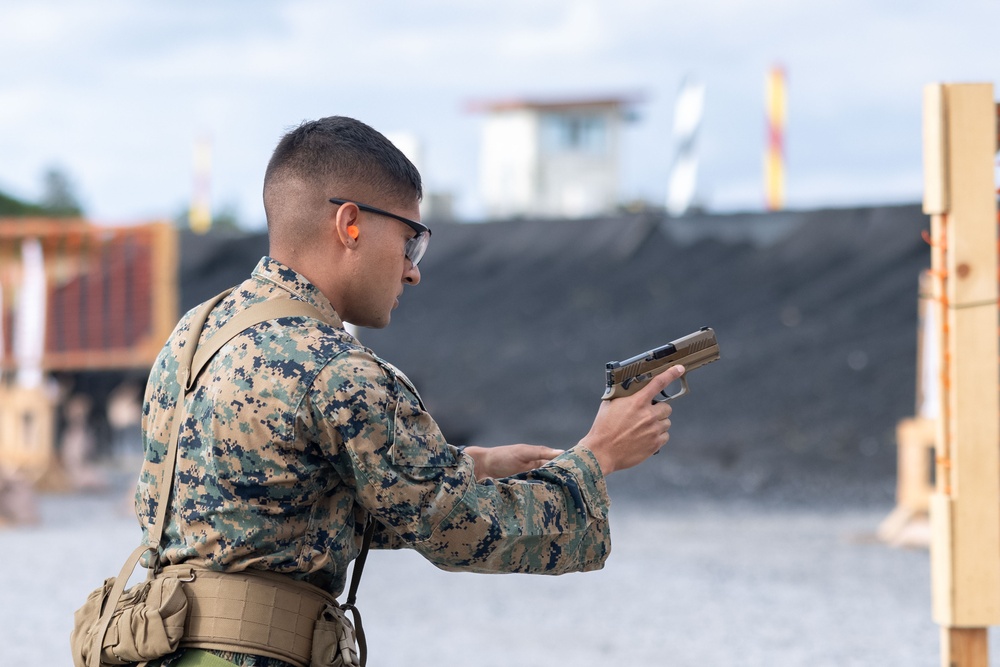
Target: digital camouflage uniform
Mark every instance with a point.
(295, 432)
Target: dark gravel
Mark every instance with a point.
(509, 331)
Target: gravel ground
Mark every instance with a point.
(750, 543)
(689, 583)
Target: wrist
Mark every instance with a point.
(480, 460)
(604, 458)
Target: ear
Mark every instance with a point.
(345, 224)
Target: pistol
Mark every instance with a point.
(624, 378)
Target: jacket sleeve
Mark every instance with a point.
(424, 491)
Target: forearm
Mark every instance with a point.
(509, 460)
(550, 520)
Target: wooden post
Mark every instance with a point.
(962, 647)
(27, 419)
(915, 439)
(165, 297)
(908, 525)
(960, 143)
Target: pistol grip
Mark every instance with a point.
(664, 396)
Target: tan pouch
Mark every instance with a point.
(334, 641)
(147, 623)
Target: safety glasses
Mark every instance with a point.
(416, 246)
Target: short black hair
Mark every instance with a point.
(346, 149)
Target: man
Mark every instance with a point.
(295, 434)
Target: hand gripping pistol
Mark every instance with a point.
(624, 378)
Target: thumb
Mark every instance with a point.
(546, 453)
(662, 381)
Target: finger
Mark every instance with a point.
(662, 442)
(663, 410)
(663, 380)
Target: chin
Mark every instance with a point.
(380, 323)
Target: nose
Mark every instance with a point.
(412, 274)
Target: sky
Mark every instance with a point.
(118, 92)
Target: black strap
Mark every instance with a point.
(352, 593)
(359, 562)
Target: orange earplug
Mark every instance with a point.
(352, 231)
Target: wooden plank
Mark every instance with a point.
(27, 432)
(928, 352)
(914, 443)
(964, 647)
(942, 568)
(972, 214)
(966, 542)
(124, 358)
(935, 172)
(975, 466)
(165, 281)
(19, 228)
(942, 471)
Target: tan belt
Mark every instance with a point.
(259, 613)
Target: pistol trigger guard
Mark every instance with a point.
(664, 396)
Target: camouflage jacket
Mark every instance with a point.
(295, 433)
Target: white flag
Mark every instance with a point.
(29, 333)
(684, 172)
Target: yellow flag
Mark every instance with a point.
(200, 213)
(774, 158)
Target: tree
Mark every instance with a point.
(58, 198)
(226, 218)
(11, 206)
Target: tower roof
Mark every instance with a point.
(553, 103)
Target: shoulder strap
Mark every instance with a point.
(184, 360)
(194, 358)
(259, 312)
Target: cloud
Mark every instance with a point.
(120, 90)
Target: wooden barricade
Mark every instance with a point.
(908, 523)
(27, 424)
(110, 303)
(111, 291)
(960, 141)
